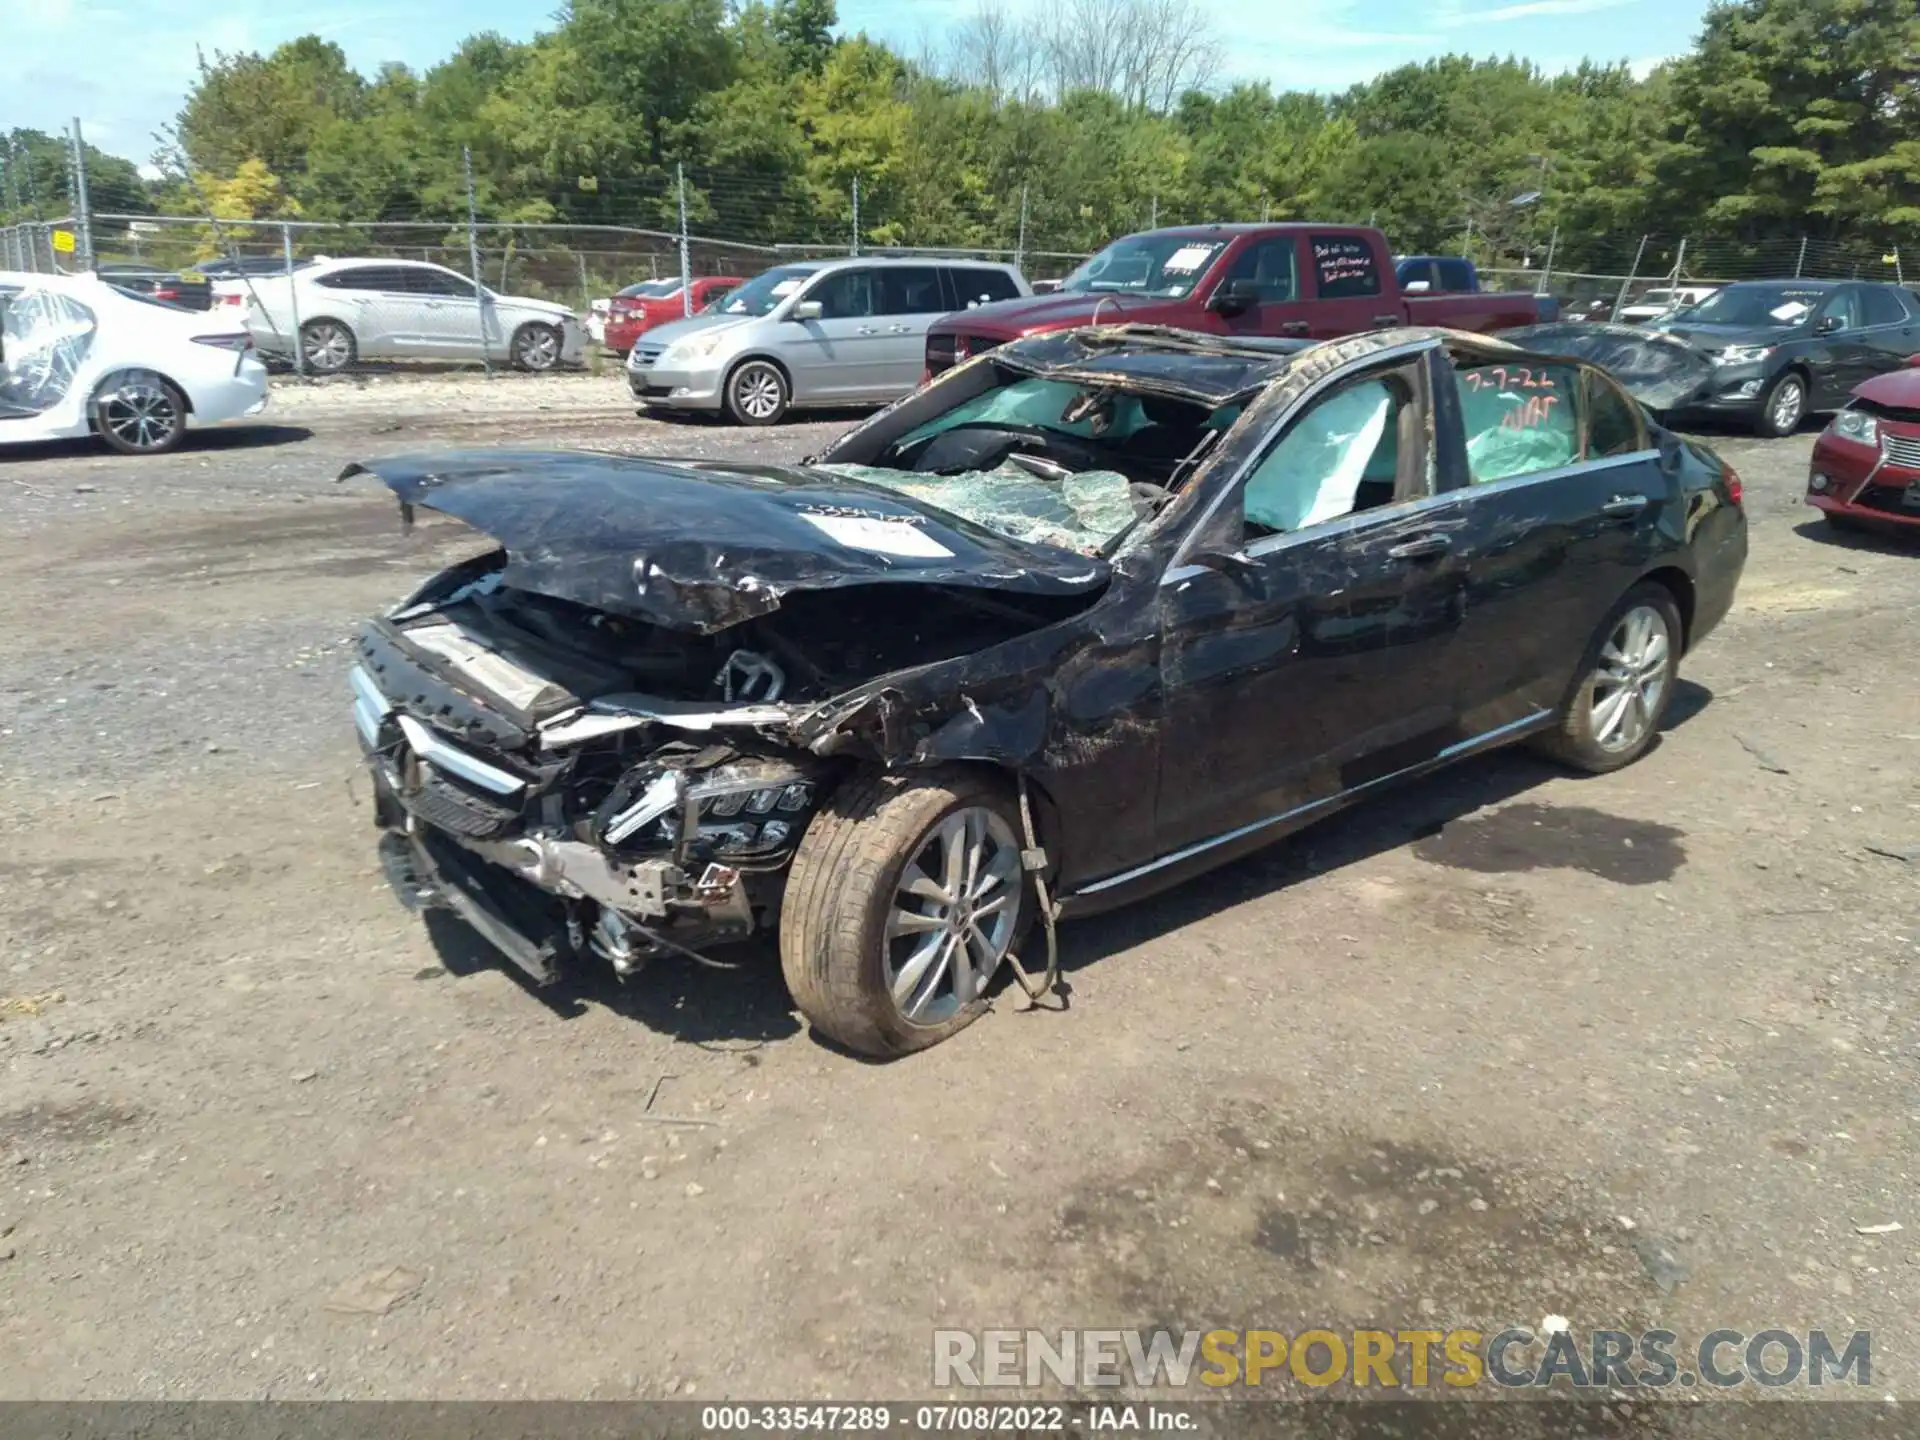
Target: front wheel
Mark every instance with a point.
(140, 414)
(1626, 678)
(1782, 408)
(536, 347)
(905, 897)
(757, 394)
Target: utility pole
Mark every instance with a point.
(293, 298)
(1679, 260)
(686, 248)
(1020, 245)
(83, 214)
(1546, 273)
(473, 258)
(33, 204)
(1801, 263)
(856, 215)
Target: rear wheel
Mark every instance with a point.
(1613, 712)
(757, 393)
(140, 414)
(1783, 407)
(327, 346)
(905, 898)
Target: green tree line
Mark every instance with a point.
(1787, 117)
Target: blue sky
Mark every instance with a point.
(122, 67)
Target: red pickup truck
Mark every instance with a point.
(1317, 281)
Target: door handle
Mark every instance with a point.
(1422, 548)
(1386, 319)
(899, 329)
(866, 330)
(1625, 505)
(1293, 327)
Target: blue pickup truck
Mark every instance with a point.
(1436, 275)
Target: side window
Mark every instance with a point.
(1270, 266)
(1614, 426)
(1519, 419)
(1882, 307)
(1343, 267)
(982, 287)
(1456, 276)
(1845, 305)
(846, 295)
(1343, 455)
(909, 290)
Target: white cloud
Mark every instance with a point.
(1455, 17)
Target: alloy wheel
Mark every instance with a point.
(141, 414)
(953, 915)
(329, 348)
(1788, 402)
(757, 391)
(539, 348)
(1630, 681)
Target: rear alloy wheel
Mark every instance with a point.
(904, 900)
(1783, 407)
(536, 347)
(757, 394)
(327, 346)
(140, 414)
(1626, 679)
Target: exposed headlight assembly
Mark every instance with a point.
(1742, 354)
(1857, 425)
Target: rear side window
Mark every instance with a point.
(981, 287)
(1614, 426)
(1519, 419)
(361, 277)
(1344, 267)
(909, 290)
(1456, 276)
(1882, 307)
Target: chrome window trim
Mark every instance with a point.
(1200, 847)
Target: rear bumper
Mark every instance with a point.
(231, 397)
(1859, 482)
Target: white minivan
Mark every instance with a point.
(348, 310)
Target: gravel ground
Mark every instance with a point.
(1507, 1044)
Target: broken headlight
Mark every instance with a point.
(729, 811)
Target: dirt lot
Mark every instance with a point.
(1505, 1044)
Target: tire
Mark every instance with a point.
(1580, 738)
(140, 413)
(536, 347)
(844, 960)
(1782, 407)
(757, 393)
(328, 347)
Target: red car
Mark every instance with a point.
(1866, 464)
(655, 302)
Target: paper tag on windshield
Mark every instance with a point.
(785, 288)
(1188, 257)
(882, 537)
(1789, 312)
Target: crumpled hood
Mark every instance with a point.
(1660, 370)
(544, 307)
(1057, 310)
(701, 547)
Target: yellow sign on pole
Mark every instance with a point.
(63, 241)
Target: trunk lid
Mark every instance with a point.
(699, 547)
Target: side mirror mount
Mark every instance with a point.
(1234, 297)
(806, 310)
(1416, 287)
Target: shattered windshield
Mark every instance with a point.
(761, 294)
(1165, 267)
(1050, 461)
(1779, 307)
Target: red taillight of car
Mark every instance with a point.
(163, 293)
(239, 341)
(1732, 483)
(236, 300)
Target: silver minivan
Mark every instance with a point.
(816, 332)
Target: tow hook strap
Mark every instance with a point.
(1033, 859)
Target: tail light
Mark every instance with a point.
(240, 340)
(166, 292)
(236, 300)
(1732, 483)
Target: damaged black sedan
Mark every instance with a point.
(1089, 614)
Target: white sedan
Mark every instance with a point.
(79, 356)
(348, 310)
